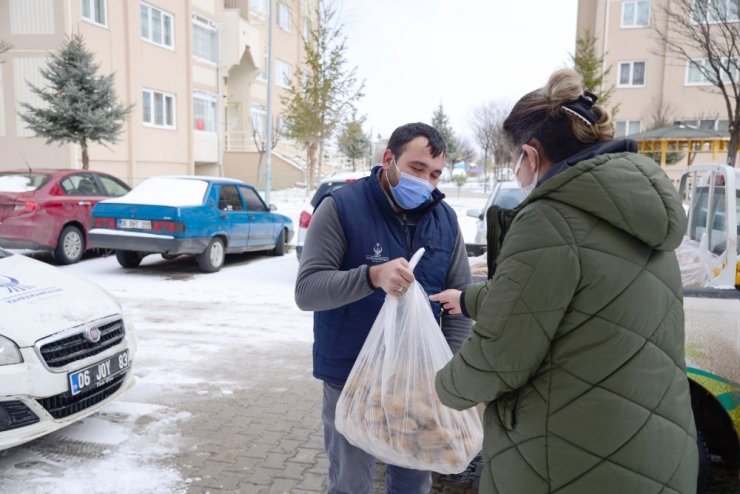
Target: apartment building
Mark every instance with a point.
(194, 69)
(649, 81)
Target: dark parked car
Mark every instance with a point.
(46, 209)
(207, 217)
(327, 185)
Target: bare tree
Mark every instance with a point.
(261, 145)
(706, 34)
(487, 124)
(465, 150)
(4, 46)
(661, 113)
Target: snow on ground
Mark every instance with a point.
(187, 323)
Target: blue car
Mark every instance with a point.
(207, 217)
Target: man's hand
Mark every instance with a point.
(450, 300)
(394, 277)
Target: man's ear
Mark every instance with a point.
(387, 158)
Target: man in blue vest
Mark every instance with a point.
(357, 251)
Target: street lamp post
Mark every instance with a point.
(268, 124)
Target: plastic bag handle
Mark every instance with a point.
(415, 258)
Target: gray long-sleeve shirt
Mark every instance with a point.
(322, 285)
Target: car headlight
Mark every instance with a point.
(9, 352)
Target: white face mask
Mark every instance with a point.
(526, 188)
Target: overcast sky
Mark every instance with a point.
(414, 54)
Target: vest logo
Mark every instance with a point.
(13, 285)
(376, 257)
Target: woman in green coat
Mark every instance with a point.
(578, 344)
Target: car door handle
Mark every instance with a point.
(251, 217)
(223, 216)
(84, 203)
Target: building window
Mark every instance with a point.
(631, 74)
(157, 26)
(262, 76)
(258, 6)
(626, 127)
(695, 70)
(158, 109)
(205, 39)
(95, 11)
(259, 120)
(720, 125)
(716, 11)
(284, 17)
(283, 73)
(636, 13)
(204, 111)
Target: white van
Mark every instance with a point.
(710, 272)
(66, 350)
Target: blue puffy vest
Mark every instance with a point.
(376, 234)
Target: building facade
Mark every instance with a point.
(650, 83)
(194, 69)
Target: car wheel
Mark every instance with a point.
(70, 246)
(705, 464)
(129, 258)
(279, 248)
(211, 259)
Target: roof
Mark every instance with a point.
(204, 178)
(677, 132)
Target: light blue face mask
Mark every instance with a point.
(410, 192)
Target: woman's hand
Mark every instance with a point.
(450, 300)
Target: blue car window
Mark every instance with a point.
(229, 199)
(254, 202)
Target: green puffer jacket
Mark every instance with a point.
(578, 346)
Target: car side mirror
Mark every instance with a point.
(475, 213)
(273, 207)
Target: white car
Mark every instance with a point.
(66, 350)
(504, 194)
(327, 185)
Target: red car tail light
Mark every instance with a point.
(108, 223)
(305, 219)
(168, 226)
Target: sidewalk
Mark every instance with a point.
(268, 439)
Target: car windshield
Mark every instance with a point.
(508, 198)
(166, 191)
(326, 188)
(22, 182)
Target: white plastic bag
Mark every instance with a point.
(388, 407)
(699, 266)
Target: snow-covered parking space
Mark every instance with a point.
(206, 342)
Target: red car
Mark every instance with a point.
(45, 209)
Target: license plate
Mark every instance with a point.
(140, 224)
(98, 374)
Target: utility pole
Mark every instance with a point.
(268, 124)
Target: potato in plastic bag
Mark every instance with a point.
(388, 406)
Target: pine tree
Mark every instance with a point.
(442, 124)
(589, 65)
(321, 94)
(352, 141)
(80, 106)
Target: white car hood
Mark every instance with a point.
(38, 300)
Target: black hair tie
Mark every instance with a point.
(581, 107)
